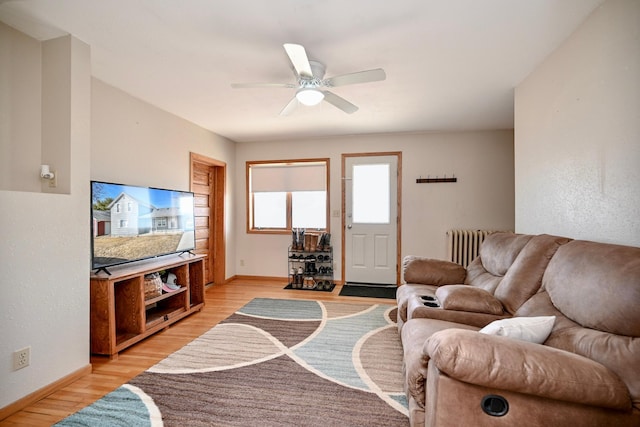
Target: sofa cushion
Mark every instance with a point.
(619, 353)
(532, 329)
(497, 253)
(524, 367)
(479, 277)
(524, 277)
(429, 271)
(499, 250)
(468, 298)
(597, 285)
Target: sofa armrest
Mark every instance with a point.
(468, 298)
(429, 271)
(524, 367)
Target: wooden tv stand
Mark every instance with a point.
(121, 316)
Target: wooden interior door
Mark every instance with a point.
(208, 177)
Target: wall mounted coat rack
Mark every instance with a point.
(428, 180)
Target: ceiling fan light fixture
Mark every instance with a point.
(309, 96)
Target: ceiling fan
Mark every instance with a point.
(311, 87)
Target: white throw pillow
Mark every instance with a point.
(532, 329)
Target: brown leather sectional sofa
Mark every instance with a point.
(585, 373)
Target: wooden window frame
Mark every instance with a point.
(289, 210)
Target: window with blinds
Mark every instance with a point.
(286, 195)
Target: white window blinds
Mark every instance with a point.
(307, 176)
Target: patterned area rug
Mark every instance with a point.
(272, 363)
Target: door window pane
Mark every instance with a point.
(270, 210)
(309, 209)
(370, 194)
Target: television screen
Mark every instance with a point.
(131, 223)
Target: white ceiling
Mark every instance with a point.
(450, 64)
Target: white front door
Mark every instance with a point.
(371, 219)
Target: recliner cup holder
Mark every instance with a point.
(431, 304)
(428, 298)
(494, 405)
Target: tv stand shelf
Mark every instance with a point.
(120, 314)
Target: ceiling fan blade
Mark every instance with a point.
(339, 102)
(288, 109)
(298, 57)
(359, 77)
(255, 85)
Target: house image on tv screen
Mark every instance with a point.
(134, 223)
(128, 216)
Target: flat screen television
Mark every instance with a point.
(131, 223)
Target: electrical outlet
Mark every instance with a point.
(241, 263)
(21, 358)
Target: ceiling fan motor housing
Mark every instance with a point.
(318, 70)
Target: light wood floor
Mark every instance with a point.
(107, 375)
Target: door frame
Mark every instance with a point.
(398, 154)
(217, 231)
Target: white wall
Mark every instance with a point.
(135, 143)
(483, 197)
(577, 137)
(21, 104)
(44, 255)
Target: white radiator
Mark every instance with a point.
(464, 245)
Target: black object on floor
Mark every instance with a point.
(369, 290)
(325, 288)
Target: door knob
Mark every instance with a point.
(349, 226)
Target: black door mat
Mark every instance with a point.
(369, 290)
